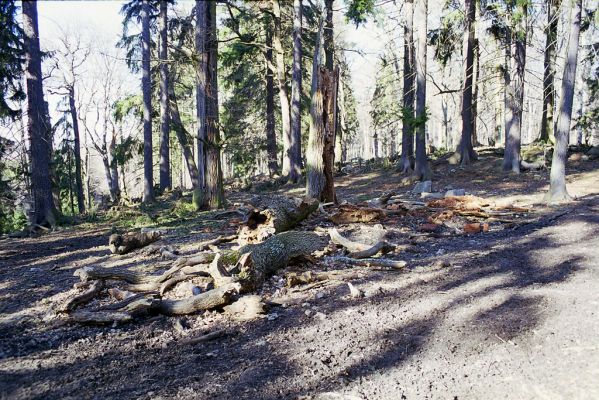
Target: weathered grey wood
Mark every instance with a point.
(204, 301)
(367, 262)
(84, 297)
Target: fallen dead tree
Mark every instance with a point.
(350, 213)
(122, 244)
(273, 214)
(359, 250)
(233, 272)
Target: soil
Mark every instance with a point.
(512, 313)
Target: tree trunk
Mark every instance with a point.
(422, 169)
(271, 136)
(511, 158)
(283, 92)
(181, 133)
(165, 176)
(201, 82)
(295, 148)
(465, 149)
(475, 90)
(146, 85)
(320, 153)
(115, 192)
(77, 151)
(329, 47)
(407, 130)
(41, 185)
(215, 195)
(339, 142)
(547, 135)
(557, 188)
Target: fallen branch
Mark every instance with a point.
(381, 247)
(204, 301)
(205, 338)
(122, 244)
(367, 262)
(84, 297)
(349, 213)
(213, 242)
(99, 317)
(348, 244)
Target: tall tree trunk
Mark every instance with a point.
(201, 82)
(553, 7)
(407, 130)
(215, 195)
(557, 187)
(421, 169)
(71, 198)
(329, 46)
(283, 91)
(465, 150)
(511, 158)
(475, 90)
(339, 142)
(37, 128)
(115, 192)
(146, 85)
(76, 151)
(165, 176)
(295, 148)
(181, 133)
(271, 136)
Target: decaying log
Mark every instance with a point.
(122, 244)
(462, 203)
(367, 262)
(273, 214)
(349, 213)
(202, 258)
(99, 317)
(219, 273)
(294, 279)
(348, 244)
(380, 247)
(204, 301)
(95, 288)
(119, 304)
(90, 273)
(213, 242)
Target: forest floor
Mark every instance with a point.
(511, 313)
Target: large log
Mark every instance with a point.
(273, 214)
(122, 244)
(349, 213)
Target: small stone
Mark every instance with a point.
(195, 290)
(320, 316)
(455, 192)
(431, 196)
(354, 291)
(272, 317)
(308, 312)
(425, 186)
(319, 295)
(306, 304)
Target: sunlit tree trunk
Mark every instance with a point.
(165, 176)
(271, 136)
(41, 185)
(201, 73)
(295, 149)
(511, 158)
(407, 131)
(557, 187)
(148, 193)
(422, 169)
(553, 7)
(76, 151)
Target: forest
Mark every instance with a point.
(299, 199)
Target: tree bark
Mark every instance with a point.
(201, 82)
(146, 85)
(295, 148)
(407, 130)
(115, 192)
(37, 128)
(283, 91)
(329, 46)
(165, 176)
(271, 136)
(553, 7)
(215, 195)
(557, 187)
(465, 150)
(421, 169)
(511, 158)
(76, 150)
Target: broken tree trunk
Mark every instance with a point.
(122, 244)
(273, 214)
(349, 213)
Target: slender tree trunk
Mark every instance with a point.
(283, 91)
(201, 83)
(407, 130)
(329, 47)
(295, 148)
(475, 89)
(465, 149)
(511, 158)
(77, 151)
(165, 176)
(549, 71)
(557, 187)
(422, 169)
(41, 185)
(215, 195)
(339, 142)
(315, 176)
(271, 136)
(148, 194)
(115, 192)
(182, 138)
(71, 197)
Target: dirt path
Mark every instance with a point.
(514, 316)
